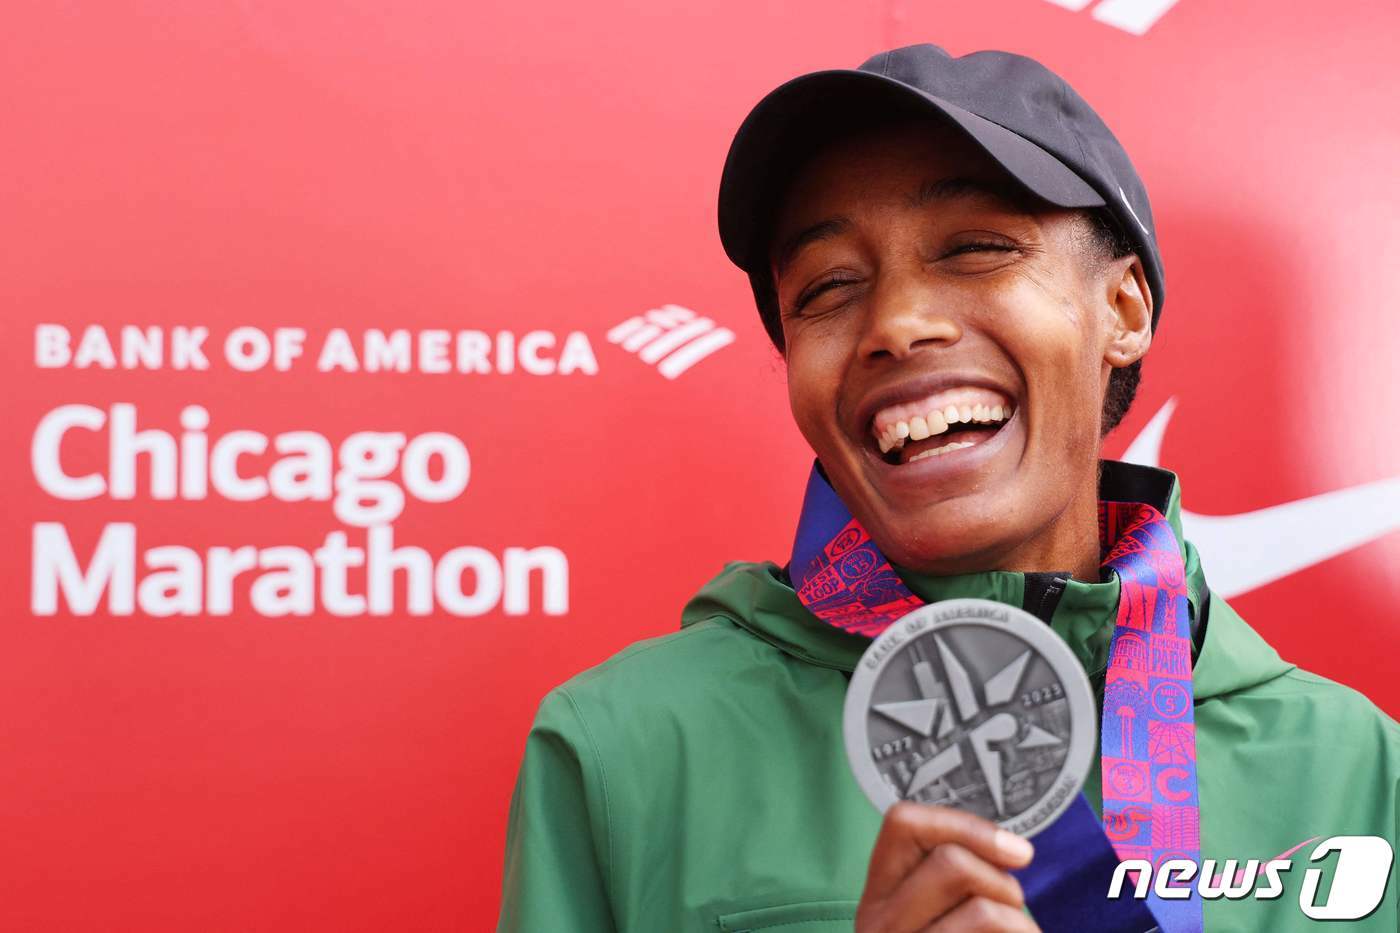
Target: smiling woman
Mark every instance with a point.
(1103, 240)
(957, 260)
(903, 255)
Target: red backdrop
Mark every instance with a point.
(548, 170)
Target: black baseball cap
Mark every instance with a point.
(1023, 115)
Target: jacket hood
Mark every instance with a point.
(758, 597)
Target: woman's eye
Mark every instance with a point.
(977, 247)
(818, 289)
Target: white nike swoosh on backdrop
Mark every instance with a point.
(1246, 551)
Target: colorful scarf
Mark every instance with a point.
(1148, 744)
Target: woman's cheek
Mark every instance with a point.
(807, 400)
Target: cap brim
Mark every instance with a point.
(762, 156)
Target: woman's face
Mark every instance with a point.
(948, 345)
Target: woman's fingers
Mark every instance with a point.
(911, 830)
(980, 915)
(947, 876)
(932, 865)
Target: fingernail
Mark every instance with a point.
(1015, 848)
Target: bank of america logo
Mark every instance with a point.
(1134, 16)
(671, 338)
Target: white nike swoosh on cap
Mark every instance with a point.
(1246, 551)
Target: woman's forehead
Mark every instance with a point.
(916, 168)
(924, 161)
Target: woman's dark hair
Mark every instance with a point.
(1111, 243)
(1123, 381)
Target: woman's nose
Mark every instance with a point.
(905, 314)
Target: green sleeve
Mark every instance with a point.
(1394, 843)
(557, 840)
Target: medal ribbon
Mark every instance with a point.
(1151, 809)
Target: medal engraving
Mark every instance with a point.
(973, 704)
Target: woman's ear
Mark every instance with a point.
(1129, 307)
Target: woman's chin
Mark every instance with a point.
(948, 546)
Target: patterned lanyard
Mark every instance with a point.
(1148, 743)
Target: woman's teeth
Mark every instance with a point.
(955, 445)
(937, 421)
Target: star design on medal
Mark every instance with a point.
(972, 725)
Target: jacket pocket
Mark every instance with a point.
(807, 917)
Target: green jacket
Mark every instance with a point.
(697, 781)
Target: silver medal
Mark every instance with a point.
(973, 704)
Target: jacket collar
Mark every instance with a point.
(760, 598)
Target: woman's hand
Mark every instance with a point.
(938, 870)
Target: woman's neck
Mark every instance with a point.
(1068, 543)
